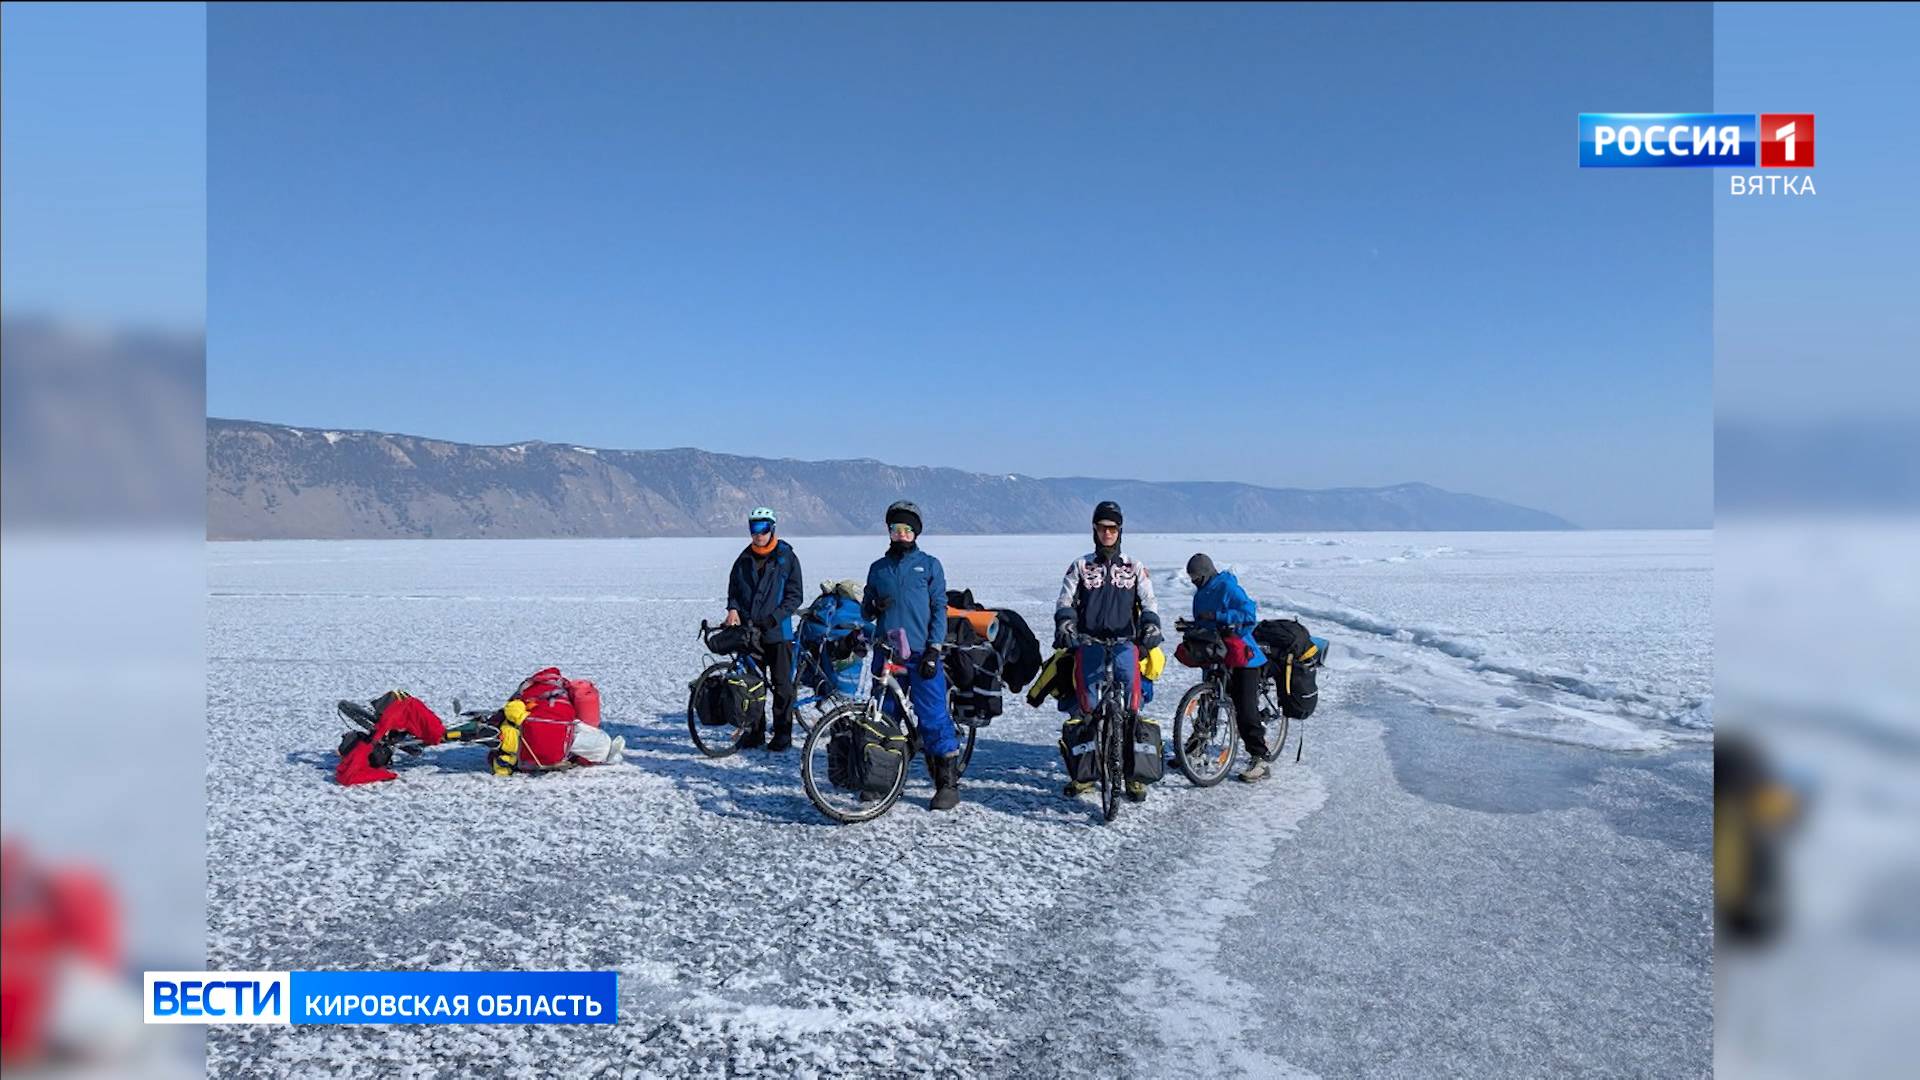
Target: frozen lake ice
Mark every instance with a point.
(1493, 859)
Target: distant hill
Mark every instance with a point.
(270, 481)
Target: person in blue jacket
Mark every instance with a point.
(1221, 604)
(907, 591)
(764, 591)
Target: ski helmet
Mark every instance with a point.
(904, 512)
(1108, 512)
(761, 521)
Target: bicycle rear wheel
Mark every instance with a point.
(833, 780)
(1205, 735)
(1274, 722)
(966, 733)
(713, 740)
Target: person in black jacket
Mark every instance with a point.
(764, 591)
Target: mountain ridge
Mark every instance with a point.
(282, 481)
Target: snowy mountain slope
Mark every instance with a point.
(270, 481)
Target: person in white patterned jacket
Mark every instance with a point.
(1105, 594)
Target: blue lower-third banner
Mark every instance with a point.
(383, 997)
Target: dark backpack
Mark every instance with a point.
(1013, 639)
(974, 672)
(1293, 661)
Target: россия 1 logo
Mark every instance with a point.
(1705, 140)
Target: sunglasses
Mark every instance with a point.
(759, 528)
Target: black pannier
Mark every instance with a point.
(1293, 662)
(730, 697)
(1080, 749)
(866, 755)
(872, 752)
(1146, 754)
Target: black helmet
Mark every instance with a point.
(1108, 510)
(904, 512)
(1201, 569)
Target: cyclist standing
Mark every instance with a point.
(907, 591)
(764, 591)
(1219, 603)
(1107, 594)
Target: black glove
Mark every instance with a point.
(929, 663)
(1063, 633)
(880, 603)
(1150, 638)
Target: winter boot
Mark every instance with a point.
(1256, 771)
(946, 784)
(1076, 788)
(1136, 791)
(782, 740)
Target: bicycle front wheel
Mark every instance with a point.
(1113, 762)
(835, 773)
(1205, 735)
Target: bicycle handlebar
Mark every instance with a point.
(707, 630)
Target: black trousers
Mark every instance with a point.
(777, 658)
(1243, 684)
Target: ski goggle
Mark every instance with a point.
(759, 528)
(900, 530)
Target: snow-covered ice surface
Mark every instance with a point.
(1494, 859)
(1834, 994)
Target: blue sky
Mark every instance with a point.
(104, 139)
(1814, 297)
(1295, 246)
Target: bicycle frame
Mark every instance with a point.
(883, 683)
